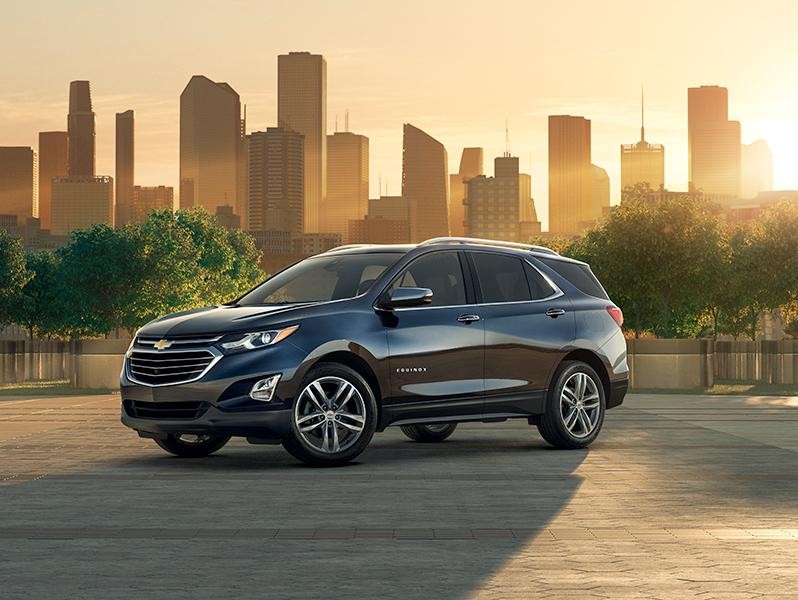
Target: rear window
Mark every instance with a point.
(580, 276)
(501, 278)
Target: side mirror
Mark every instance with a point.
(403, 297)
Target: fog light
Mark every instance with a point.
(263, 390)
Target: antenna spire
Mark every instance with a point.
(336, 122)
(346, 120)
(506, 138)
(642, 116)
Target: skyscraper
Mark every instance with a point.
(600, 193)
(425, 184)
(347, 182)
(471, 165)
(302, 107)
(642, 163)
(713, 142)
(124, 167)
(501, 207)
(80, 202)
(387, 222)
(757, 169)
(212, 150)
(146, 199)
(570, 175)
(80, 124)
(19, 183)
(276, 180)
(53, 162)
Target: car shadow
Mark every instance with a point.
(408, 520)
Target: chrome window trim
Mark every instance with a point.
(217, 356)
(557, 293)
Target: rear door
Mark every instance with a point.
(528, 327)
(437, 350)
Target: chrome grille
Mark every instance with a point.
(169, 367)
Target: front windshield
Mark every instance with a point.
(322, 278)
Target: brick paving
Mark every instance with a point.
(681, 496)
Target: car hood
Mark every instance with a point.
(221, 319)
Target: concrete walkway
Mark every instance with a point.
(681, 496)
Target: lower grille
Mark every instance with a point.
(168, 367)
(165, 410)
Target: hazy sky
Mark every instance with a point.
(457, 69)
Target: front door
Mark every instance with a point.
(528, 326)
(436, 350)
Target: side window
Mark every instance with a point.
(501, 278)
(439, 271)
(538, 286)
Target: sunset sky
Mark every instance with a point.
(456, 69)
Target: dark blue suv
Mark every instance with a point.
(343, 344)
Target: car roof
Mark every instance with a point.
(515, 248)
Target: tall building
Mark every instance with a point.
(570, 175)
(501, 207)
(276, 180)
(19, 183)
(347, 182)
(425, 184)
(212, 147)
(53, 162)
(80, 202)
(302, 107)
(471, 165)
(757, 169)
(713, 142)
(146, 199)
(600, 192)
(642, 163)
(80, 125)
(387, 222)
(124, 167)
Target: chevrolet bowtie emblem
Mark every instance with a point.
(162, 344)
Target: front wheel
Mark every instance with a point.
(193, 445)
(574, 408)
(429, 433)
(334, 417)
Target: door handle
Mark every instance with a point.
(468, 318)
(555, 312)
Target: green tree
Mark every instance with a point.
(655, 257)
(192, 261)
(101, 273)
(39, 305)
(13, 275)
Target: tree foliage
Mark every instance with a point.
(13, 275)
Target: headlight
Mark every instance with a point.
(259, 339)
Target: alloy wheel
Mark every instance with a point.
(580, 405)
(330, 414)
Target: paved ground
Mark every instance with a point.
(681, 497)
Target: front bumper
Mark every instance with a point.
(222, 395)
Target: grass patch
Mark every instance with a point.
(51, 387)
(732, 388)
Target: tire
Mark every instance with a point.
(574, 415)
(429, 433)
(333, 418)
(204, 445)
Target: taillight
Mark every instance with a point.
(616, 314)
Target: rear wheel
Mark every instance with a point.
(189, 445)
(334, 417)
(436, 432)
(575, 407)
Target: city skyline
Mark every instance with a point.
(520, 80)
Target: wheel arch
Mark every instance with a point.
(593, 360)
(357, 364)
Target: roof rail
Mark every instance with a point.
(348, 246)
(484, 242)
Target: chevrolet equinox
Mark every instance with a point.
(341, 345)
